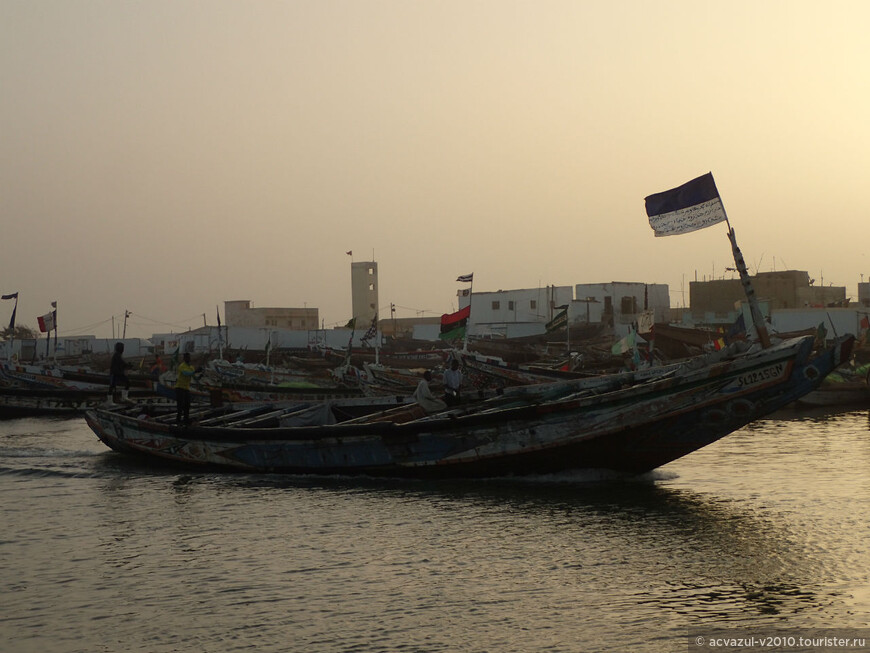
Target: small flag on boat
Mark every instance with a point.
(372, 330)
(349, 253)
(46, 322)
(625, 345)
(646, 321)
(466, 278)
(692, 206)
(10, 296)
(558, 322)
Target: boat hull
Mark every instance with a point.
(632, 430)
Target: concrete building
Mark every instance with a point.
(619, 303)
(364, 291)
(239, 313)
(513, 313)
(525, 312)
(787, 289)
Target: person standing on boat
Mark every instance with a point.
(117, 372)
(452, 383)
(423, 395)
(184, 374)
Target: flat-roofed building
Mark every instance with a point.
(240, 313)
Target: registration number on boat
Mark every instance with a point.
(762, 376)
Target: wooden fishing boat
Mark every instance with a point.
(62, 377)
(60, 402)
(844, 387)
(536, 429)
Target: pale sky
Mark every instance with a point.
(162, 157)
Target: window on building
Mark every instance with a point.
(628, 305)
(510, 305)
(371, 287)
(496, 306)
(533, 304)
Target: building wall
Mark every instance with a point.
(364, 291)
(35, 349)
(403, 327)
(786, 289)
(620, 302)
(512, 313)
(209, 339)
(239, 313)
(837, 321)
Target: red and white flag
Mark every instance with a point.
(46, 322)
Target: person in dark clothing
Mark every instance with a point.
(117, 371)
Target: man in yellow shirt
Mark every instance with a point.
(184, 374)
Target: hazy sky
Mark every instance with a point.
(162, 157)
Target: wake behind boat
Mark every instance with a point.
(538, 429)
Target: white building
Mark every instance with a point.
(524, 312)
(513, 313)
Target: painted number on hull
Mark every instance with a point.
(762, 376)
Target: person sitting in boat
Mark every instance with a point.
(452, 383)
(424, 397)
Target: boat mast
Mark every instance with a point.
(754, 309)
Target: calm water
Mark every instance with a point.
(767, 527)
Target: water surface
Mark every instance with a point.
(100, 553)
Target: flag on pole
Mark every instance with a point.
(349, 253)
(645, 322)
(14, 296)
(692, 206)
(466, 278)
(559, 321)
(625, 345)
(372, 330)
(46, 322)
(453, 325)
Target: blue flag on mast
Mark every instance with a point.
(692, 206)
(14, 296)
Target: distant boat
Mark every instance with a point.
(844, 387)
(60, 402)
(537, 429)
